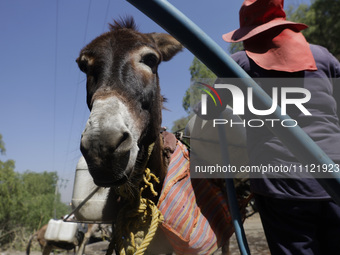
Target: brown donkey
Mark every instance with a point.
(47, 246)
(123, 95)
(122, 135)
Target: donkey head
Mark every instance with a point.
(123, 95)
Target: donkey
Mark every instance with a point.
(123, 95)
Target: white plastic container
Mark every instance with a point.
(60, 231)
(92, 210)
(67, 232)
(52, 230)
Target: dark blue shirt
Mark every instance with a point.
(322, 126)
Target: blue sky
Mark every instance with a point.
(42, 92)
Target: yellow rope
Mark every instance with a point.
(136, 227)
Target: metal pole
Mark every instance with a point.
(204, 48)
(55, 200)
(94, 191)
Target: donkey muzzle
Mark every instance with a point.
(109, 142)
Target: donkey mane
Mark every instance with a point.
(126, 22)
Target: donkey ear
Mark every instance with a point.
(167, 45)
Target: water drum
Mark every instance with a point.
(93, 210)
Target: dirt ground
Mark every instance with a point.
(253, 228)
(255, 237)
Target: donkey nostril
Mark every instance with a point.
(125, 137)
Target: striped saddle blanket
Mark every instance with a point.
(197, 219)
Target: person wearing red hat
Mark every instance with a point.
(298, 215)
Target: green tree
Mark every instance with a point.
(180, 124)
(11, 202)
(27, 200)
(235, 47)
(323, 19)
(40, 189)
(2, 146)
(198, 71)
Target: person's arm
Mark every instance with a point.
(336, 84)
(336, 95)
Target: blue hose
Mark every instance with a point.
(236, 218)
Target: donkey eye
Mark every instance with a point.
(151, 60)
(82, 64)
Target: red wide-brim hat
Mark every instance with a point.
(270, 40)
(247, 32)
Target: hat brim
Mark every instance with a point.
(245, 33)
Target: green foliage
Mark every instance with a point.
(39, 183)
(2, 146)
(40, 189)
(198, 71)
(235, 47)
(27, 200)
(323, 19)
(180, 124)
(10, 193)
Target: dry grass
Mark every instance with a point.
(19, 238)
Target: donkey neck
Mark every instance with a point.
(160, 157)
